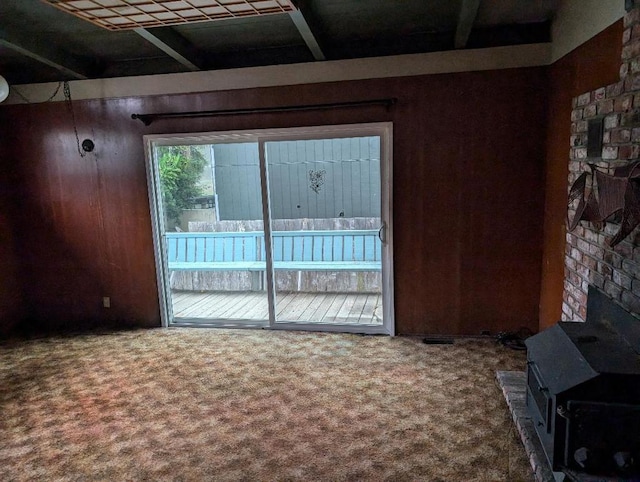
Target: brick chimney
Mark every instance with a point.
(589, 259)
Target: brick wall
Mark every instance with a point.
(588, 257)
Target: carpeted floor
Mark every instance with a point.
(208, 404)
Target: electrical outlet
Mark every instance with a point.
(106, 302)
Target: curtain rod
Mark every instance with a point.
(147, 119)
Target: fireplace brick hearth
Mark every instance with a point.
(589, 259)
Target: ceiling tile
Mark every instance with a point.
(109, 3)
(167, 12)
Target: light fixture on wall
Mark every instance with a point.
(4, 89)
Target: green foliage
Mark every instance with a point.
(180, 170)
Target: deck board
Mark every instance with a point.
(321, 311)
(296, 307)
(374, 305)
(353, 308)
(334, 308)
(343, 314)
(283, 300)
(193, 305)
(357, 307)
(308, 313)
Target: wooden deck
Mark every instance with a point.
(352, 308)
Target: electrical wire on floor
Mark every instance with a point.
(514, 339)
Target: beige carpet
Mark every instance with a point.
(207, 404)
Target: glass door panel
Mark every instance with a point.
(325, 205)
(213, 233)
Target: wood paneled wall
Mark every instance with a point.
(83, 222)
(594, 64)
(11, 301)
(468, 197)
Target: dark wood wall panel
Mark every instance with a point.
(594, 64)
(502, 201)
(468, 196)
(11, 302)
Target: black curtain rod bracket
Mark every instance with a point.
(148, 119)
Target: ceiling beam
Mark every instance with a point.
(466, 19)
(303, 20)
(174, 45)
(71, 66)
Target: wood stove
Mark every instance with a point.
(583, 390)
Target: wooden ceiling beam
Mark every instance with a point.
(174, 45)
(466, 19)
(304, 21)
(71, 66)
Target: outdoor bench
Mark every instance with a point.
(344, 250)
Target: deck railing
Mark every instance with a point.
(344, 250)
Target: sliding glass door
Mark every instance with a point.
(214, 268)
(325, 220)
(285, 228)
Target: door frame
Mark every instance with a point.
(382, 129)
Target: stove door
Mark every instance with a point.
(539, 393)
(602, 438)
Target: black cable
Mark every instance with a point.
(67, 97)
(514, 339)
(24, 99)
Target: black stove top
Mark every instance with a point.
(603, 348)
